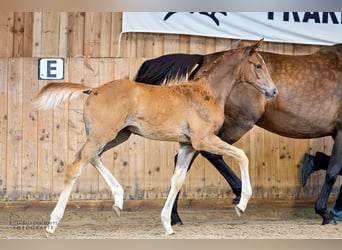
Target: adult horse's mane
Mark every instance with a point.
(170, 68)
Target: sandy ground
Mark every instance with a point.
(144, 223)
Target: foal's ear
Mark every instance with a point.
(250, 50)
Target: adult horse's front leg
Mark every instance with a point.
(185, 155)
(334, 168)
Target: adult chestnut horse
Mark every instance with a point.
(309, 105)
(115, 110)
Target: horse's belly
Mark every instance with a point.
(160, 133)
(299, 125)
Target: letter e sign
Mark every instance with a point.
(51, 69)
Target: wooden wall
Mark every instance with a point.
(34, 147)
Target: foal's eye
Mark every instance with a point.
(258, 66)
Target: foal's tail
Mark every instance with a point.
(55, 93)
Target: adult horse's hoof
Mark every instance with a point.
(329, 221)
(117, 210)
(175, 219)
(236, 200)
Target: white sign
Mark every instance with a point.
(323, 28)
(50, 69)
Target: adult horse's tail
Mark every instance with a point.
(55, 93)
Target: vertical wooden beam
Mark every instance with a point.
(50, 33)
(3, 125)
(6, 31)
(116, 44)
(105, 34)
(15, 129)
(28, 28)
(76, 33)
(63, 34)
(37, 34)
(30, 142)
(18, 31)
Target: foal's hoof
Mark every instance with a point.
(238, 210)
(48, 234)
(117, 210)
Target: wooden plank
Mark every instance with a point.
(50, 33)
(197, 45)
(105, 35)
(157, 46)
(272, 186)
(115, 34)
(28, 28)
(3, 126)
(18, 32)
(171, 44)
(257, 162)
(6, 31)
(44, 149)
(63, 34)
(37, 34)
(184, 44)
(92, 36)
(76, 33)
(30, 141)
(15, 129)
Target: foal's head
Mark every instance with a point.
(254, 71)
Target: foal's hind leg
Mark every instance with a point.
(185, 155)
(113, 184)
(73, 171)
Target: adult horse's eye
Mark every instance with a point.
(258, 66)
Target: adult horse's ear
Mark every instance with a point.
(250, 50)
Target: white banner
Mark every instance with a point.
(323, 28)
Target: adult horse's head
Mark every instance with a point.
(256, 73)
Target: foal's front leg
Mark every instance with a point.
(185, 155)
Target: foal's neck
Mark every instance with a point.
(221, 75)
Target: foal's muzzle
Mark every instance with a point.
(269, 92)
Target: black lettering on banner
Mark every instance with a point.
(317, 17)
(211, 15)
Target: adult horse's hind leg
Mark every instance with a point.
(185, 155)
(334, 168)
